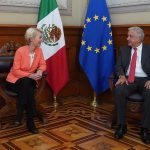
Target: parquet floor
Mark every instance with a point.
(75, 125)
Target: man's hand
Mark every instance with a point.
(122, 80)
(147, 85)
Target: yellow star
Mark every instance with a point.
(96, 17)
(84, 26)
(88, 20)
(104, 47)
(83, 42)
(97, 50)
(109, 41)
(89, 48)
(109, 24)
(110, 33)
(104, 18)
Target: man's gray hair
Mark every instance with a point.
(139, 32)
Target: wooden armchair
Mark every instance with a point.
(7, 97)
(134, 106)
(9, 48)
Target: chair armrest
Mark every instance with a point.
(41, 82)
(111, 82)
(44, 74)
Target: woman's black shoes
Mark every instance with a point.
(31, 127)
(33, 130)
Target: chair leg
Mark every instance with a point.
(4, 110)
(8, 101)
(41, 114)
(0, 123)
(9, 108)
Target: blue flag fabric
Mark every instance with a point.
(97, 52)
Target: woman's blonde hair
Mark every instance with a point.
(31, 33)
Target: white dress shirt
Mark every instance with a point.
(138, 70)
(31, 58)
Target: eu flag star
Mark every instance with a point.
(97, 50)
(84, 26)
(96, 17)
(104, 47)
(109, 24)
(89, 48)
(109, 41)
(104, 18)
(88, 20)
(83, 42)
(110, 33)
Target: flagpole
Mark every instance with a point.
(94, 102)
(55, 101)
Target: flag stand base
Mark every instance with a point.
(94, 102)
(55, 101)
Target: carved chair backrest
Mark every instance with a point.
(9, 48)
(7, 52)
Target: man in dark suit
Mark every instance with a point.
(133, 71)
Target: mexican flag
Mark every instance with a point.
(53, 44)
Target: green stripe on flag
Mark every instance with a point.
(44, 11)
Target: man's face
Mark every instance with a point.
(133, 39)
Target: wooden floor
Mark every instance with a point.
(75, 125)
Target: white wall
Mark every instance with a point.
(77, 17)
(18, 18)
(131, 18)
(78, 13)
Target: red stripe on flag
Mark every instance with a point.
(57, 69)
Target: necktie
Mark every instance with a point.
(132, 67)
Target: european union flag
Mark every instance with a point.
(96, 52)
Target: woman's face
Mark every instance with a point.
(37, 40)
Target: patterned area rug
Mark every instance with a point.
(75, 125)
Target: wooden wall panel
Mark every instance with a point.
(12, 32)
(78, 84)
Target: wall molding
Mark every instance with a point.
(122, 3)
(28, 6)
(127, 6)
(129, 9)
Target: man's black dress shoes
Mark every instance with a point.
(120, 132)
(145, 137)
